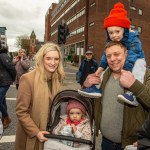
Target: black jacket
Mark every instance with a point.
(7, 69)
(144, 135)
(86, 68)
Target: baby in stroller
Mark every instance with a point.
(74, 123)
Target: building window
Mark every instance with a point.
(132, 26)
(91, 47)
(54, 32)
(82, 12)
(77, 31)
(91, 24)
(139, 29)
(91, 5)
(2, 39)
(140, 12)
(132, 8)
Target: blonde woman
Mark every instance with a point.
(35, 94)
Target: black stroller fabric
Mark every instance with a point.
(56, 110)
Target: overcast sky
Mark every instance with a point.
(20, 17)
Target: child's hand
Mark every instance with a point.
(64, 124)
(99, 71)
(135, 144)
(74, 128)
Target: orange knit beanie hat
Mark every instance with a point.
(117, 17)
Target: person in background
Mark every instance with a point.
(117, 121)
(22, 65)
(7, 77)
(88, 66)
(35, 95)
(117, 26)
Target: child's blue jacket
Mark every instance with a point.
(135, 51)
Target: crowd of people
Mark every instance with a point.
(121, 103)
(10, 72)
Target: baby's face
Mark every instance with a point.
(115, 33)
(75, 114)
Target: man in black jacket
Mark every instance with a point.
(88, 66)
(7, 76)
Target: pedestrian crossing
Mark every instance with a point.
(7, 139)
(11, 99)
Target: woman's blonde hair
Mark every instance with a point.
(58, 75)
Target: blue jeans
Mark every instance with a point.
(109, 145)
(3, 105)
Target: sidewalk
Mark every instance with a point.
(70, 81)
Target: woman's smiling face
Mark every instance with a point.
(51, 61)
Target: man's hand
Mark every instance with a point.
(91, 79)
(41, 137)
(126, 79)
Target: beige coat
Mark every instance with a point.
(32, 108)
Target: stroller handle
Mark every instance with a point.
(68, 138)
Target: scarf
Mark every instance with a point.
(68, 121)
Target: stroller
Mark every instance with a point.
(58, 108)
(1, 128)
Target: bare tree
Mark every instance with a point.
(23, 42)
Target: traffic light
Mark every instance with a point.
(63, 31)
(61, 34)
(66, 30)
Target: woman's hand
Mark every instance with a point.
(41, 137)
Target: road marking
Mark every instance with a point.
(12, 85)
(11, 99)
(69, 73)
(6, 139)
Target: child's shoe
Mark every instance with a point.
(91, 92)
(128, 98)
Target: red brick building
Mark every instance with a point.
(85, 21)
